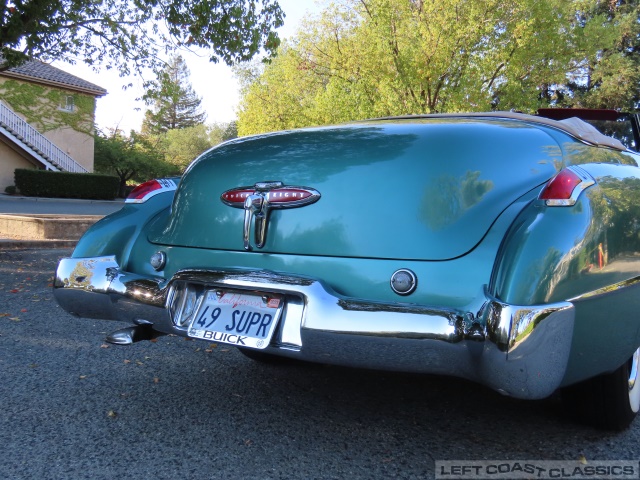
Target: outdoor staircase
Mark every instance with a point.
(34, 143)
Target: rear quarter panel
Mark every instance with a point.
(588, 254)
(116, 234)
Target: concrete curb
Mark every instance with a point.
(45, 226)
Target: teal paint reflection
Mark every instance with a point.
(446, 198)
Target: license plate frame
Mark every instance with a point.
(240, 318)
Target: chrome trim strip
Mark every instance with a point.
(518, 350)
(633, 369)
(634, 385)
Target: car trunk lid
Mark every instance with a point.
(412, 189)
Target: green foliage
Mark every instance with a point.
(371, 58)
(175, 104)
(41, 106)
(129, 158)
(221, 132)
(10, 189)
(286, 95)
(44, 183)
(179, 147)
(131, 34)
(611, 76)
(375, 58)
(595, 47)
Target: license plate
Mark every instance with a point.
(241, 319)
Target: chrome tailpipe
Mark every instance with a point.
(133, 334)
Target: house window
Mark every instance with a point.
(66, 103)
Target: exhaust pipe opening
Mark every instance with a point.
(135, 333)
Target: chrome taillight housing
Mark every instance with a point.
(564, 189)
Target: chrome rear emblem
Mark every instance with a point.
(259, 200)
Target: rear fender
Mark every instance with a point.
(588, 254)
(547, 252)
(116, 234)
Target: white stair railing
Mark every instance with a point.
(37, 142)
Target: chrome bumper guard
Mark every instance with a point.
(521, 351)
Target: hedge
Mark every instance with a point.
(45, 183)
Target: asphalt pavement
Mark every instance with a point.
(73, 407)
(61, 206)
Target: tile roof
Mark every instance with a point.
(38, 71)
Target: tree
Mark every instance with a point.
(176, 105)
(287, 94)
(130, 158)
(611, 76)
(180, 147)
(133, 34)
(369, 58)
(221, 132)
(596, 46)
(372, 58)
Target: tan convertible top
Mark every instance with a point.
(573, 126)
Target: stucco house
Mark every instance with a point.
(46, 120)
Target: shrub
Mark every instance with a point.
(11, 190)
(43, 183)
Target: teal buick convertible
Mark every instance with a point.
(498, 247)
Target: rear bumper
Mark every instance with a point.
(519, 351)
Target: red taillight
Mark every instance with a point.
(143, 189)
(565, 187)
(561, 186)
(146, 190)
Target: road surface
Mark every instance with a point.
(35, 205)
(74, 407)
